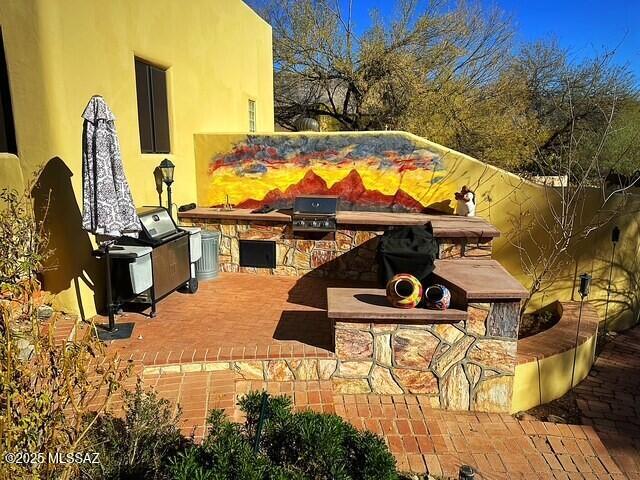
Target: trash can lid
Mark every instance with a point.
(129, 251)
(192, 230)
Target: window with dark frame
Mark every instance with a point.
(7, 127)
(153, 108)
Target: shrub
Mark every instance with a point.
(47, 386)
(139, 445)
(293, 446)
(23, 240)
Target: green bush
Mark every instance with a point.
(146, 444)
(293, 446)
(139, 445)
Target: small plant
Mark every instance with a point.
(139, 445)
(48, 387)
(23, 241)
(292, 446)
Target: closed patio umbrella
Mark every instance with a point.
(107, 206)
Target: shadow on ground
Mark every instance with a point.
(310, 328)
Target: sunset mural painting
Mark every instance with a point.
(379, 173)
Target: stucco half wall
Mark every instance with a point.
(253, 168)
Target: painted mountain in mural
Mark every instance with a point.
(351, 190)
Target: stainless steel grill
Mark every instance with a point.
(170, 258)
(315, 213)
(157, 226)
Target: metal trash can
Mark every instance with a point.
(207, 266)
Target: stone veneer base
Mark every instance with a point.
(278, 370)
(351, 255)
(466, 365)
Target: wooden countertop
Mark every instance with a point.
(371, 304)
(276, 216)
(480, 279)
(444, 226)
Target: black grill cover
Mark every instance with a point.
(407, 250)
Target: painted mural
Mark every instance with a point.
(367, 172)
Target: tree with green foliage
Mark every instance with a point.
(446, 71)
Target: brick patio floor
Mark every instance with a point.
(422, 438)
(283, 318)
(236, 316)
(609, 400)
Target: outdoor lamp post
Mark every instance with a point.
(615, 237)
(166, 168)
(585, 282)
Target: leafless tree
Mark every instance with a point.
(368, 81)
(546, 235)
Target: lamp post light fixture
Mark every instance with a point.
(585, 283)
(166, 168)
(615, 238)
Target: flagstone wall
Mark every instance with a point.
(351, 255)
(467, 365)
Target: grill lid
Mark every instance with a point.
(156, 222)
(316, 204)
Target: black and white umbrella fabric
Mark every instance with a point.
(108, 207)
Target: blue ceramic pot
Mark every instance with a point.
(437, 297)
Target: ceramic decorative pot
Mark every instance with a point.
(404, 291)
(437, 297)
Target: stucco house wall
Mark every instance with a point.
(59, 53)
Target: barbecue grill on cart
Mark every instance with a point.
(157, 262)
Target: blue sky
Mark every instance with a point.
(585, 27)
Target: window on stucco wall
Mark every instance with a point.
(7, 127)
(153, 108)
(252, 115)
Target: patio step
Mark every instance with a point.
(289, 349)
(269, 369)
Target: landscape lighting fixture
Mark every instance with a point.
(615, 238)
(585, 282)
(166, 168)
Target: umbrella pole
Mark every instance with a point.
(111, 332)
(110, 309)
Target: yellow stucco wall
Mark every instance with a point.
(61, 52)
(500, 197)
(10, 172)
(544, 380)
